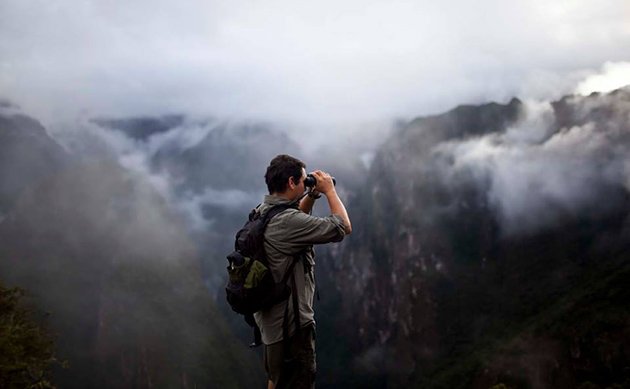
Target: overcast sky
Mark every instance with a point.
(301, 61)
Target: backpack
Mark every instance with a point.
(251, 287)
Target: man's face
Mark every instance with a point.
(298, 187)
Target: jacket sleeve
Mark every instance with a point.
(299, 229)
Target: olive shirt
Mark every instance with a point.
(289, 233)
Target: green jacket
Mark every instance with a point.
(291, 232)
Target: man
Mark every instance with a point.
(289, 352)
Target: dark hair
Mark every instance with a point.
(280, 169)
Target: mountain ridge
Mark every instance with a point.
(486, 240)
(430, 270)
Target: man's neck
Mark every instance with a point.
(283, 195)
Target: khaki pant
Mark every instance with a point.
(296, 370)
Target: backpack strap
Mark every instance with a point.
(296, 305)
(294, 296)
(276, 209)
(266, 218)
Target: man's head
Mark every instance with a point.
(285, 176)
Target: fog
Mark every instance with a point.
(535, 174)
(324, 65)
(326, 82)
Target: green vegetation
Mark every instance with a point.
(26, 349)
(591, 317)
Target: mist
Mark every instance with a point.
(324, 66)
(137, 217)
(536, 174)
(95, 238)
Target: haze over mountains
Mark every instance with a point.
(490, 246)
(97, 245)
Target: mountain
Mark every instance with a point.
(96, 246)
(27, 154)
(490, 247)
(229, 156)
(141, 128)
(215, 170)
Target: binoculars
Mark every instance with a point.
(310, 181)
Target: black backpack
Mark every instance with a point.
(251, 287)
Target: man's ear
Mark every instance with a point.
(291, 184)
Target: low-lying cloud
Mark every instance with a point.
(90, 140)
(535, 174)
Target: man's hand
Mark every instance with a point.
(324, 182)
(326, 186)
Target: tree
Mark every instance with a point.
(26, 348)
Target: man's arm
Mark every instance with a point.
(325, 185)
(337, 208)
(306, 204)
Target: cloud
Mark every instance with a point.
(192, 204)
(614, 75)
(535, 174)
(89, 140)
(328, 70)
(321, 63)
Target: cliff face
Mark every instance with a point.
(490, 245)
